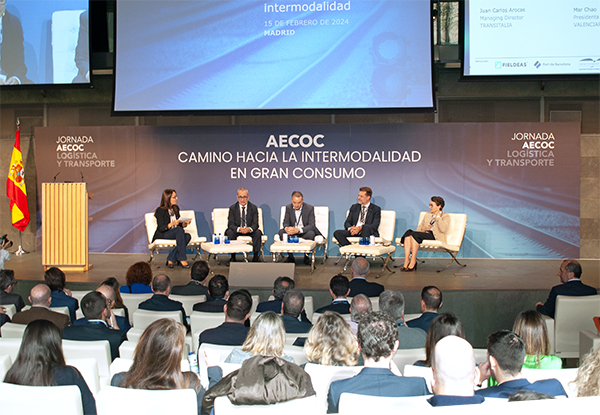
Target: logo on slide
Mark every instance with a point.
(537, 64)
(498, 65)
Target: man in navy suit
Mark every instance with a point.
(569, 274)
(116, 322)
(378, 342)
(292, 307)
(431, 301)
(160, 301)
(363, 218)
(359, 283)
(243, 220)
(339, 287)
(198, 281)
(61, 296)
(232, 332)
(218, 288)
(506, 353)
(299, 219)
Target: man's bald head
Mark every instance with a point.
(361, 304)
(360, 267)
(40, 295)
(107, 292)
(454, 370)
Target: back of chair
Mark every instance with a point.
(419, 372)
(143, 318)
(223, 351)
(98, 349)
(456, 233)
(13, 330)
(309, 307)
(151, 225)
(192, 228)
(10, 310)
(10, 347)
(132, 301)
(387, 225)
(188, 301)
(564, 376)
(322, 221)
(89, 370)
(405, 357)
(572, 315)
(223, 406)
(296, 352)
(219, 218)
(47, 400)
(130, 401)
(255, 301)
(351, 403)
(201, 321)
(127, 349)
(322, 376)
(5, 364)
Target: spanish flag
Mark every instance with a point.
(15, 187)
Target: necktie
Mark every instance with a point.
(243, 216)
(362, 214)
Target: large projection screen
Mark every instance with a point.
(531, 37)
(248, 55)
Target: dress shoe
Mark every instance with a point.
(307, 260)
(186, 266)
(290, 259)
(233, 259)
(170, 264)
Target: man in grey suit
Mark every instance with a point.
(40, 300)
(392, 303)
(243, 220)
(299, 219)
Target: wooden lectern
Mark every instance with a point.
(65, 233)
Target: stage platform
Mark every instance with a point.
(487, 294)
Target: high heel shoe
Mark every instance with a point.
(412, 269)
(186, 266)
(169, 264)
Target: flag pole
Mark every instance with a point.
(20, 251)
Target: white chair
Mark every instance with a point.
(122, 365)
(47, 400)
(10, 347)
(573, 314)
(132, 301)
(133, 335)
(79, 296)
(127, 349)
(10, 310)
(130, 401)
(322, 376)
(407, 317)
(564, 376)
(309, 307)
(405, 357)
(383, 247)
(13, 330)
(169, 244)
(351, 403)
(316, 316)
(5, 364)
(223, 352)
(99, 350)
(64, 310)
(454, 238)
(143, 318)
(65, 35)
(200, 321)
(255, 301)
(419, 372)
(588, 341)
(223, 406)
(480, 355)
(295, 352)
(188, 301)
(89, 370)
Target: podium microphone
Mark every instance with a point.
(54, 180)
(81, 176)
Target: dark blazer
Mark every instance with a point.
(12, 298)
(362, 286)
(61, 299)
(159, 302)
(163, 219)
(275, 306)
(293, 325)
(450, 400)
(507, 389)
(371, 221)
(342, 307)
(122, 322)
(68, 375)
(375, 382)
(60, 320)
(96, 331)
(12, 52)
(234, 220)
(191, 288)
(308, 218)
(423, 321)
(573, 288)
(227, 334)
(213, 305)
(4, 319)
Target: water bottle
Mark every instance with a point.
(220, 238)
(193, 362)
(215, 239)
(372, 240)
(285, 238)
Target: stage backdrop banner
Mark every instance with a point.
(517, 182)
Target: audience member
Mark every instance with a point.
(40, 300)
(571, 285)
(339, 287)
(61, 296)
(97, 314)
(5, 243)
(7, 284)
(378, 342)
(359, 306)
(113, 283)
(587, 381)
(359, 283)
(40, 362)
(519, 396)
(265, 338)
(444, 324)
(157, 361)
(280, 287)
(531, 328)
(292, 307)
(4, 318)
(160, 301)
(218, 288)
(197, 285)
(431, 302)
(138, 279)
(116, 322)
(330, 342)
(506, 353)
(454, 373)
(232, 332)
(392, 302)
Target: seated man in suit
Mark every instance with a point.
(40, 300)
(378, 343)
(97, 314)
(431, 302)
(299, 219)
(506, 353)
(292, 307)
(116, 322)
(232, 332)
(281, 287)
(359, 284)
(359, 306)
(198, 281)
(362, 220)
(339, 287)
(160, 301)
(569, 274)
(454, 373)
(7, 283)
(243, 220)
(218, 288)
(61, 296)
(392, 302)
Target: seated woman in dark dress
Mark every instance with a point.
(41, 362)
(433, 226)
(171, 227)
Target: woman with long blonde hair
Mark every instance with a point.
(330, 342)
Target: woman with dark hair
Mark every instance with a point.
(157, 361)
(531, 328)
(41, 362)
(138, 279)
(170, 226)
(433, 226)
(444, 324)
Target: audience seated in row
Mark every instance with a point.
(198, 281)
(138, 279)
(160, 301)
(7, 284)
(444, 324)
(330, 342)
(531, 328)
(61, 296)
(359, 284)
(339, 288)
(281, 286)
(116, 322)
(41, 300)
(392, 303)
(218, 288)
(359, 306)
(431, 302)
(232, 332)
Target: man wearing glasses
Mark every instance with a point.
(243, 220)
